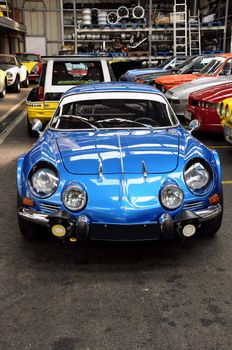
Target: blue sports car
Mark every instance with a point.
(114, 163)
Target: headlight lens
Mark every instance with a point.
(196, 177)
(43, 182)
(171, 196)
(9, 75)
(74, 198)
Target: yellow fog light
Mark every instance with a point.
(59, 231)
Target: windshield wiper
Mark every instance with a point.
(85, 120)
(121, 120)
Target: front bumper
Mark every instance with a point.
(179, 108)
(81, 227)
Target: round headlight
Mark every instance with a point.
(171, 196)
(74, 198)
(9, 75)
(43, 182)
(196, 176)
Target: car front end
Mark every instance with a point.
(224, 110)
(104, 182)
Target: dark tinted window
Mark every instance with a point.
(75, 73)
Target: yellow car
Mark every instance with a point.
(59, 74)
(3, 83)
(224, 110)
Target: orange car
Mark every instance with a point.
(201, 66)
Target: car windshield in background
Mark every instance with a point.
(196, 65)
(165, 62)
(213, 65)
(113, 113)
(28, 57)
(75, 73)
(7, 60)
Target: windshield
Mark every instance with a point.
(196, 65)
(212, 67)
(75, 73)
(7, 60)
(165, 62)
(26, 57)
(113, 113)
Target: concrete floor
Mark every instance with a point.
(161, 295)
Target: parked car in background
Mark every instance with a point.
(59, 74)
(16, 73)
(224, 110)
(164, 67)
(202, 105)
(114, 163)
(33, 63)
(178, 96)
(208, 65)
(3, 83)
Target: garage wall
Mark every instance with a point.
(42, 19)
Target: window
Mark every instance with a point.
(75, 73)
(113, 113)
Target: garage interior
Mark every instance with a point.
(117, 28)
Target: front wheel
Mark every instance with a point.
(25, 83)
(210, 228)
(16, 86)
(3, 92)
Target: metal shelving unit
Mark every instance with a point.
(154, 35)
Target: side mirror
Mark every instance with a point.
(194, 125)
(37, 126)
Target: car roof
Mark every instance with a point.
(75, 57)
(113, 86)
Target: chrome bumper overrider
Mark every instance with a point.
(41, 218)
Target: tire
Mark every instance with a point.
(25, 83)
(210, 228)
(3, 92)
(30, 132)
(16, 86)
(27, 229)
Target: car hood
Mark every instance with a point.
(6, 67)
(214, 94)
(175, 79)
(128, 151)
(29, 65)
(182, 91)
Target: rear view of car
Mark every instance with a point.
(59, 74)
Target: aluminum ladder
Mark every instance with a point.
(180, 30)
(194, 35)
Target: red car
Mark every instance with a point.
(202, 105)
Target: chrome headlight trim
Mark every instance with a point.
(75, 193)
(171, 196)
(198, 176)
(43, 180)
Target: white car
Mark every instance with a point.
(178, 96)
(16, 73)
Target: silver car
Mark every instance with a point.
(178, 96)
